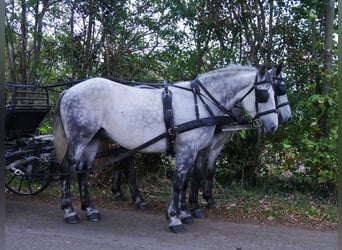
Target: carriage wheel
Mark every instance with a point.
(29, 179)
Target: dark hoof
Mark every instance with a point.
(118, 197)
(177, 229)
(211, 204)
(72, 219)
(198, 214)
(94, 217)
(188, 220)
(142, 206)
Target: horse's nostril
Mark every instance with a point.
(271, 130)
(285, 122)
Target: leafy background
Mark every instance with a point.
(48, 42)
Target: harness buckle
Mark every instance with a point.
(172, 131)
(257, 123)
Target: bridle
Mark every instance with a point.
(261, 96)
(279, 90)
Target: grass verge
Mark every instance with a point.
(233, 204)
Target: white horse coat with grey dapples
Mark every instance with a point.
(132, 116)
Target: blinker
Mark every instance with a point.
(261, 95)
(280, 89)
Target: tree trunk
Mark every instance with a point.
(72, 55)
(88, 43)
(23, 43)
(327, 62)
(269, 51)
(329, 28)
(37, 43)
(10, 47)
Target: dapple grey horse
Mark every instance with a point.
(132, 116)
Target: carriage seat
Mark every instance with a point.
(26, 106)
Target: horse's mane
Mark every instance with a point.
(231, 69)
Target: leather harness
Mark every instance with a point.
(172, 130)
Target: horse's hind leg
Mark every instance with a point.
(69, 165)
(86, 204)
(70, 215)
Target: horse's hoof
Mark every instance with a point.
(188, 220)
(142, 205)
(198, 214)
(94, 217)
(211, 204)
(118, 197)
(73, 219)
(177, 229)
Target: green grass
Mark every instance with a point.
(294, 208)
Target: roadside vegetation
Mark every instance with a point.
(289, 178)
(234, 204)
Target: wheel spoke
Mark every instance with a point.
(28, 184)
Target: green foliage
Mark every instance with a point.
(174, 40)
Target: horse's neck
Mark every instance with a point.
(228, 90)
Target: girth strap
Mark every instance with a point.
(168, 119)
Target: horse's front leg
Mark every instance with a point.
(175, 213)
(116, 184)
(198, 174)
(185, 216)
(85, 164)
(208, 186)
(212, 156)
(130, 174)
(86, 204)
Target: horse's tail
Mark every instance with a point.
(59, 133)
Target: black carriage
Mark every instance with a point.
(28, 156)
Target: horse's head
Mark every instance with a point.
(260, 104)
(282, 102)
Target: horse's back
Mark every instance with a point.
(129, 115)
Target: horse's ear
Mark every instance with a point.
(279, 67)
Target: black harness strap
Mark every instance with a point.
(196, 92)
(213, 99)
(202, 122)
(168, 119)
(195, 86)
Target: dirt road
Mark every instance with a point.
(39, 225)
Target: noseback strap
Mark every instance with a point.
(258, 115)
